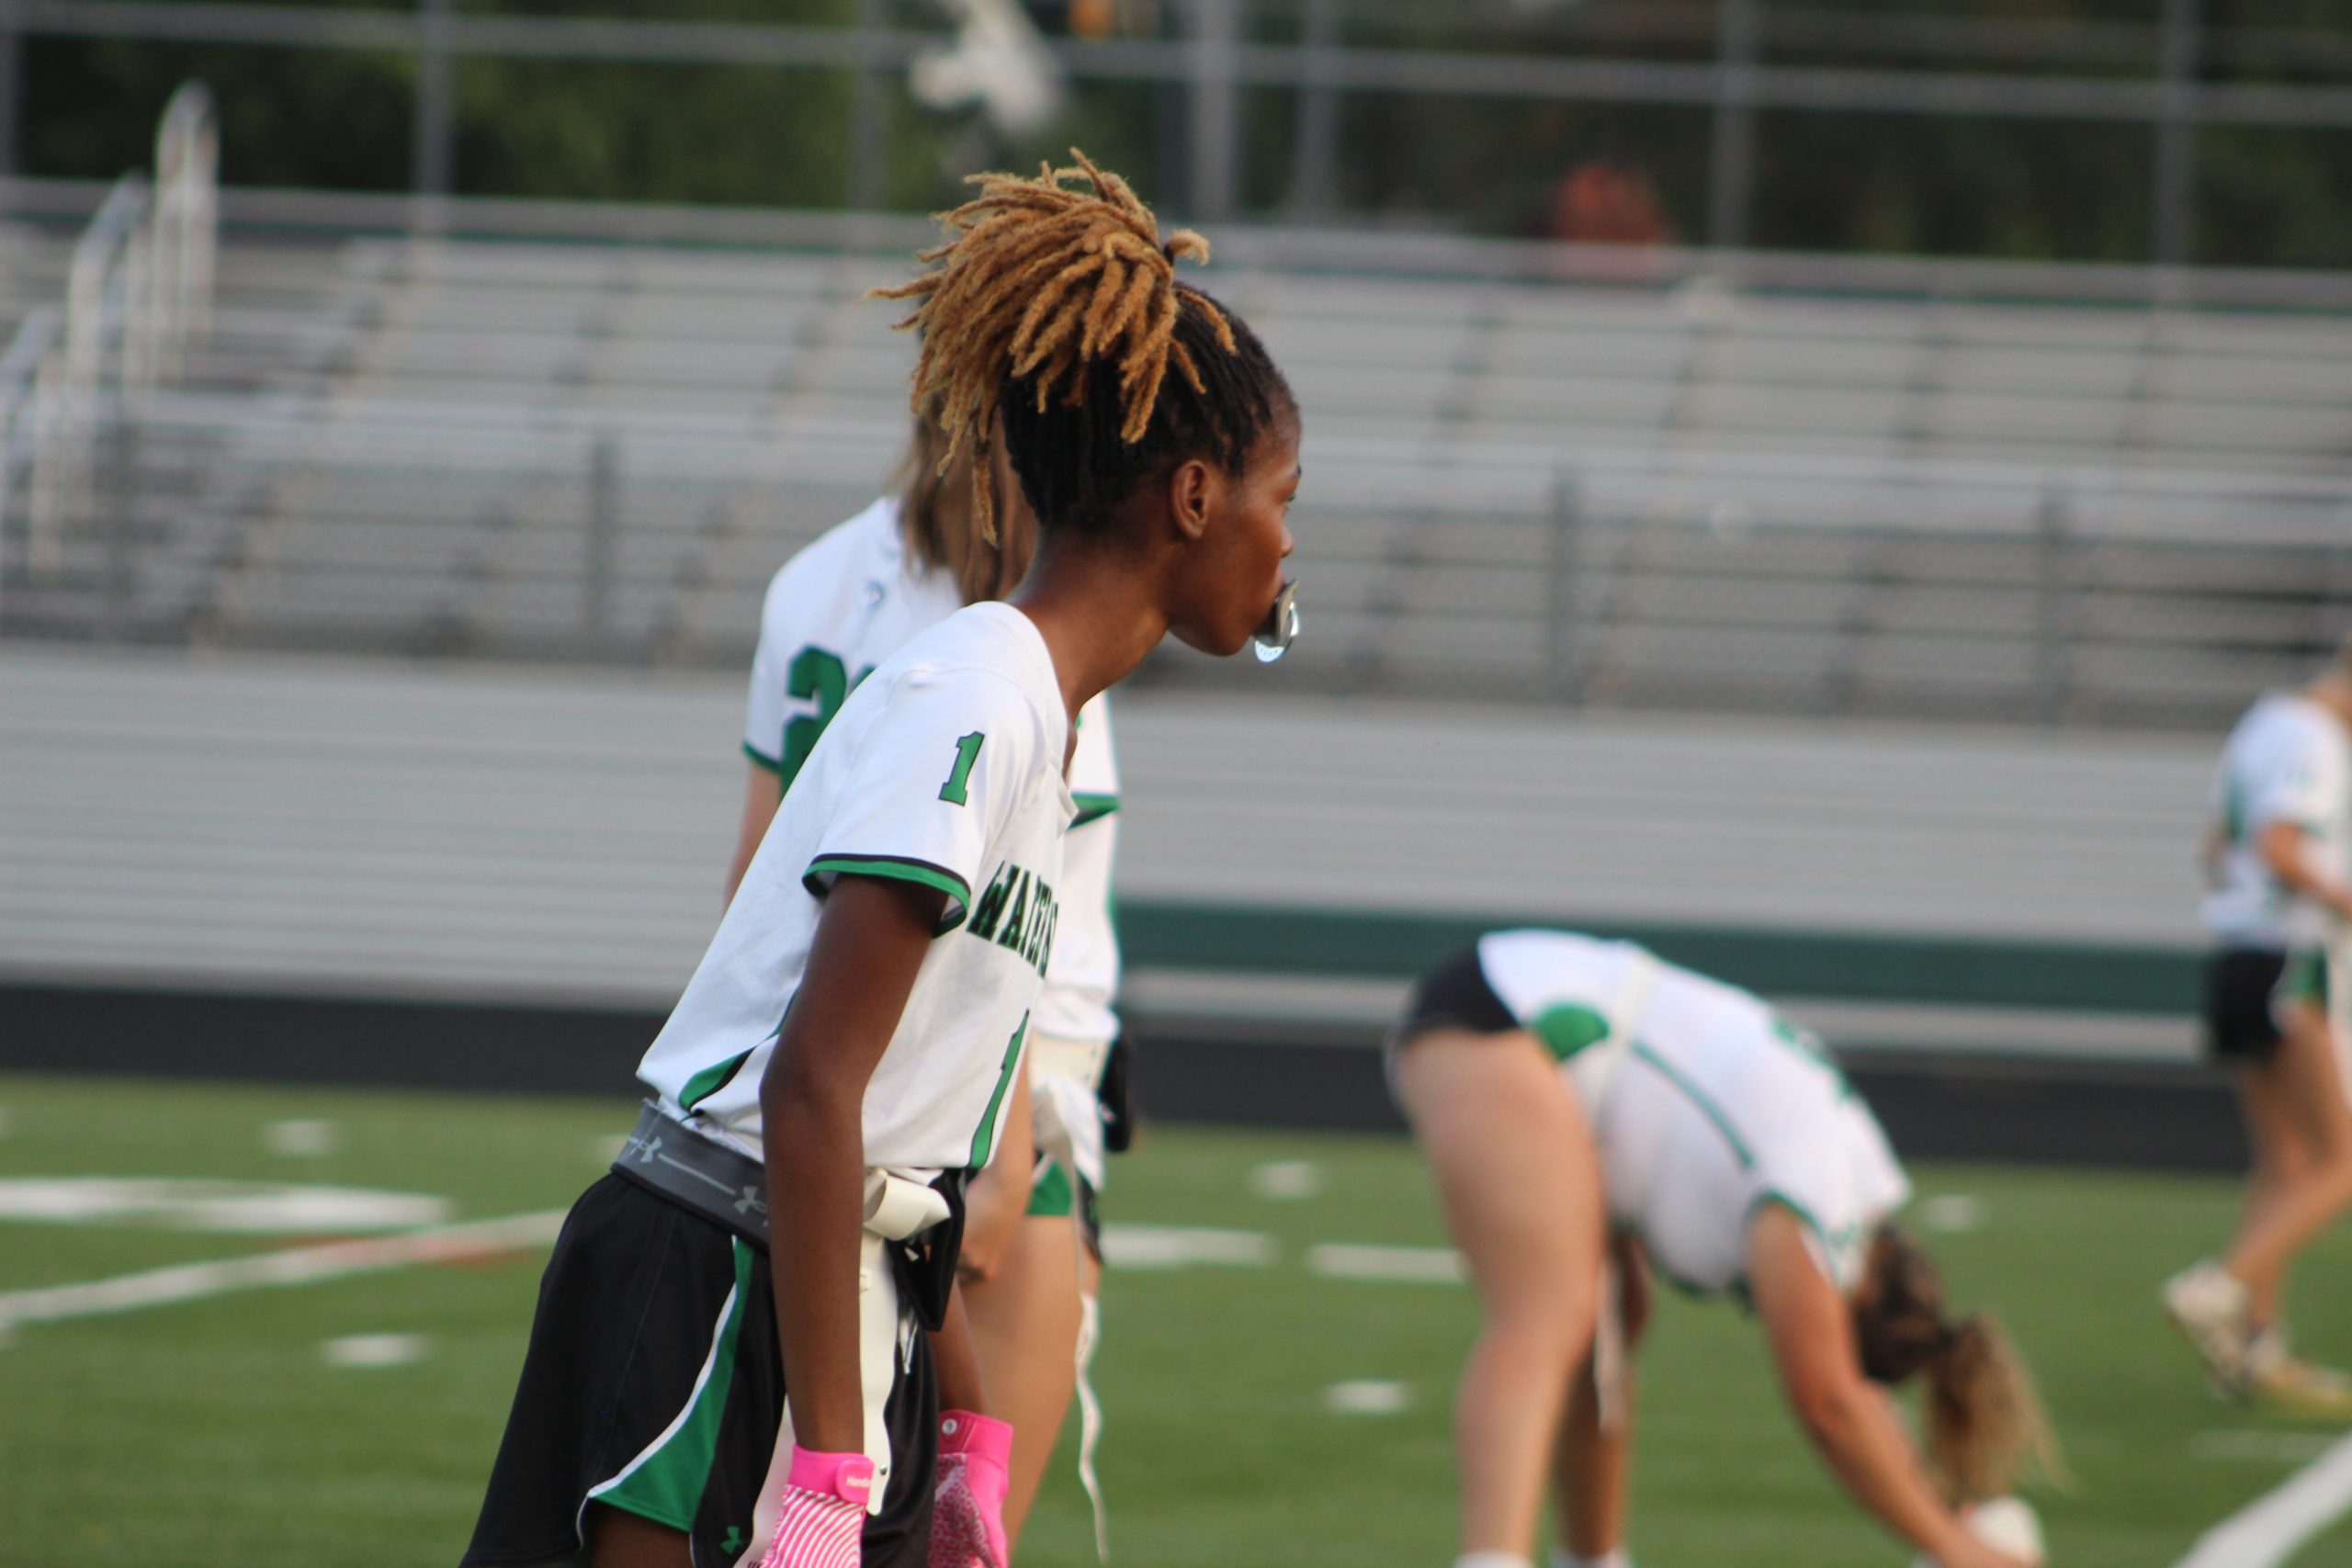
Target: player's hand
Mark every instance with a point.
(813, 1530)
(1975, 1554)
(818, 1528)
(968, 1508)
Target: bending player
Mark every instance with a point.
(1735, 1161)
(843, 1050)
(2275, 1010)
(1031, 1261)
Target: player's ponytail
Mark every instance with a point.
(1052, 321)
(1986, 1427)
(935, 520)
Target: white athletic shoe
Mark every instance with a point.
(2277, 1379)
(2213, 1312)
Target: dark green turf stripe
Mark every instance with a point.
(1844, 965)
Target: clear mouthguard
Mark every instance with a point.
(1273, 640)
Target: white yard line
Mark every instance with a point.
(297, 1266)
(1396, 1265)
(2266, 1533)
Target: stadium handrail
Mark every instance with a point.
(1366, 252)
(30, 371)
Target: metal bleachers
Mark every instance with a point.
(1613, 494)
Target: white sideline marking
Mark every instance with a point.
(295, 1266)
(1287, 1181)
(2263, 1447)
(1952, 1213)
(375, 1349)
(252, 1207)
(1402, 1264)
(1182, 1246)
(1368, 1396)
(302, 1138)
(2267, 1532)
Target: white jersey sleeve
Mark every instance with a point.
(2288, 761)
(1082, 981)
(938, 769)
(2303, 785)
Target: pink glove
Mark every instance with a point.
(968, 1510)
(821, 1514)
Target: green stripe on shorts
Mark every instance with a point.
(2305, 979)
(665, 1483)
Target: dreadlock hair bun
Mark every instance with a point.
(1052, 314)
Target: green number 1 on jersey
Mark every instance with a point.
(967, 751)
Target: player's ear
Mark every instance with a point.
(1191, 498)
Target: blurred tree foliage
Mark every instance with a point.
(618, 130)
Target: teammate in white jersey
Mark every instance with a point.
(1031, 1256)
(2275, 1010)
(1552, 1079)
(843, 1051)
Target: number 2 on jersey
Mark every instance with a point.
(967, 751)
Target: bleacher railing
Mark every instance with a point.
(1700, 579)
(138, 290)
(31, 373)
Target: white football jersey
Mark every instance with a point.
(1717, 1105)
(2288, 761)
(943, 767)
(849, 601)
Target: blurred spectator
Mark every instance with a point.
(1604, 202)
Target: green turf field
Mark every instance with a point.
(220, 1431)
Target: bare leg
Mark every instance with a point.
(1520, 1188)
(2302, 1126)
(2283, 1165)
(1025, 1321)
(618, 1538)
(1594, 1465)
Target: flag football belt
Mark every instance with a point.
(923, 1224)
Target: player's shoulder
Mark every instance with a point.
(866, 544)
(987, 655)
(2285, 724)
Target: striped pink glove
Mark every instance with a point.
(968, 1508)
(821, 1514)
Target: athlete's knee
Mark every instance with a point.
(2331, 1166)
(1544, 1344)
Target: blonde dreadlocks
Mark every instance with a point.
(1053, 314)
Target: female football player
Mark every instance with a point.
(1734, 1159)
(1031, 1261)
(2274, 1011)
(843, 1050)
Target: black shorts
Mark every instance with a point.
(614, 1407)
(2247, 988)
(1455, 995)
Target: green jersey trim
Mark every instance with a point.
(1093, 809)
(959, 893)
(712, 1078)
(763, 760)
(665, 1483)
(1700, 1098)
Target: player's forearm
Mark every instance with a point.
(816, 1215)
(2290, 855)
(1592, 1467)
(1855, 1430)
